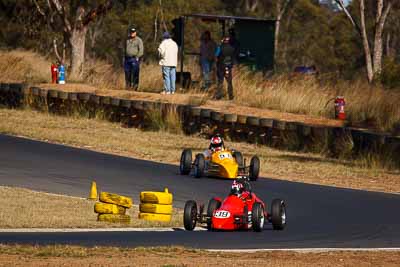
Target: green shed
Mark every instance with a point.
(256, 38)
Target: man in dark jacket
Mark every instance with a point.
(225, 60)
(133, 53)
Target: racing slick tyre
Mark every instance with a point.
(164, 198)
(278, 214)
(239, 158)
(155, 217)
(190, 215)
(257, 217)
(254, 168)
(213, 205)
(116, 199)
(107, 208)
(186, 162)
(155, 208)
(199, 165)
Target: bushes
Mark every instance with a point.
(390, 77)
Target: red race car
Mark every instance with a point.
(241, 210)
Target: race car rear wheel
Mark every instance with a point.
(186, 162)
(278, 214)
(213, 205)
(254, 168)
(190, 215)
(199, 165)
(257, 217)
(239, 158)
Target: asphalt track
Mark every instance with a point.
(318, 216)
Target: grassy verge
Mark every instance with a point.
(176, 256)
(366, 105)
(23, 208)
(112, 138)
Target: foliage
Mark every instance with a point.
(311, 33)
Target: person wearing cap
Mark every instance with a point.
(168, 52)
(133, 53)
(225, 55)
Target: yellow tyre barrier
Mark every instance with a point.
(155, 217)
(114, 218)
(155, 208)
(164, 198)
(116, 199)
(108, 208)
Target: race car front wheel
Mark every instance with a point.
(186, 162)
(213, 205)
(278, 214)
(239, 158)
(257, 217)
(199, 165)
(254, 168)
(190, 215)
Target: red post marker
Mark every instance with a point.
(339, 108)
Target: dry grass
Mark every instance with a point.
(111, 138)
(23, 208)
(23, 66)
(169, 122)
(367, 106)
(56, 255)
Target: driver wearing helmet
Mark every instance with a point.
(237, 188)
(216, 144)
(241, 188)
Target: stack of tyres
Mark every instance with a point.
(156, 206)
(112, 208)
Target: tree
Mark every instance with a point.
(281, 6)
(75, 17)
(373, 58)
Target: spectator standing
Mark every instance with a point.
(207, 51)
(168, 51)
(225, 54)
(133, 53)
(235, 43)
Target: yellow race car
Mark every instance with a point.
(224, 163)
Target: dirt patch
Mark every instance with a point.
(112, 138)
(23, 208)
(177, 256)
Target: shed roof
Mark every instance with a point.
(221, 17)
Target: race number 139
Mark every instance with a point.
(222, 214)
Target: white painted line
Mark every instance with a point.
(83, 230)
(303, 250)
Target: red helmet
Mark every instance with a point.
(216, 143)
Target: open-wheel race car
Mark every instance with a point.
(224, 163)
(241, 210)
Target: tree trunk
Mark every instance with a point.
(77, 41)
(251, 5)
(276, 41)
(367, 51)
(378, 40)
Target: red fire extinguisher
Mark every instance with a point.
(54, 73)
(339, 108)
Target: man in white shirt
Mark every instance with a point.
(168, 51)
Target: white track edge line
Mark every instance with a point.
(81, 230)
(306, 250)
